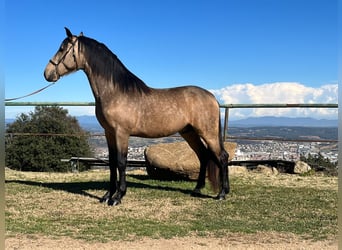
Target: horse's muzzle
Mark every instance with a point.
(50, 73)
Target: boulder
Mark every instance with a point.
(266, 170)
(301, 167)
(176, 161)
(237, 170)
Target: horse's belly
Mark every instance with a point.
(158, 128)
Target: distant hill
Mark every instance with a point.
(286, 132)
(273, 121)
(91, 124)
(8, 121)
(87, 122)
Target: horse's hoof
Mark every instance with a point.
(220, 197)
(103, 200)
(196, 193)
(113, 202)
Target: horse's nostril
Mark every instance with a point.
(50, 76)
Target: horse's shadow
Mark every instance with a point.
(80, 188)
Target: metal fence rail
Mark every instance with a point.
(32, 104)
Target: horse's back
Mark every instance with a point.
(197, 105)
(188, 94)
(166, 111)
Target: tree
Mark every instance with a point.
(321, 164)
(38, 141)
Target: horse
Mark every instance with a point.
(125, 106)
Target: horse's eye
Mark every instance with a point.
(62, 47)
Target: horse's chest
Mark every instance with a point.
(114, 116)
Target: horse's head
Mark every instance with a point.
(65, 60)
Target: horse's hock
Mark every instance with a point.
(176, 161)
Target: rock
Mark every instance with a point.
(175, 161)
(266, 170)
(301, 167)
(237, 170)
(275, 171)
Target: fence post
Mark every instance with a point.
(225, 127)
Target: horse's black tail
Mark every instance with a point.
(215, 164)
(213, 175)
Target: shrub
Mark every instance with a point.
(39, 140)
(321, 164)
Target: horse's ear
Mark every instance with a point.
(68, 32)
(81, 34)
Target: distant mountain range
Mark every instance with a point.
(90, 123)
(273, 121)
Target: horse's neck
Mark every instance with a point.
(103, 86)
(94, 87)
(99, 85)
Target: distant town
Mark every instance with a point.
(252, 148)
(290, 151)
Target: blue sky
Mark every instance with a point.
(219, 45)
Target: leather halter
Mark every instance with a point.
(61, 60)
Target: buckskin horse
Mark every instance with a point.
(126, 106)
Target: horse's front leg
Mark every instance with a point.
(118, 149)
(112, 152)
(112, 185)
(122, 186)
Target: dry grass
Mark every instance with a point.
(52, 206)
(258, 241)
(58, 203)
(292, 181)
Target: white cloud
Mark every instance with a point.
(279, 93)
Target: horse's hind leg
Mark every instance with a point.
(224, 174)
(220, 157)
(194, 141)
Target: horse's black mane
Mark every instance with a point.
(106, 64)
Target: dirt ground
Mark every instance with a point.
(233, 241)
